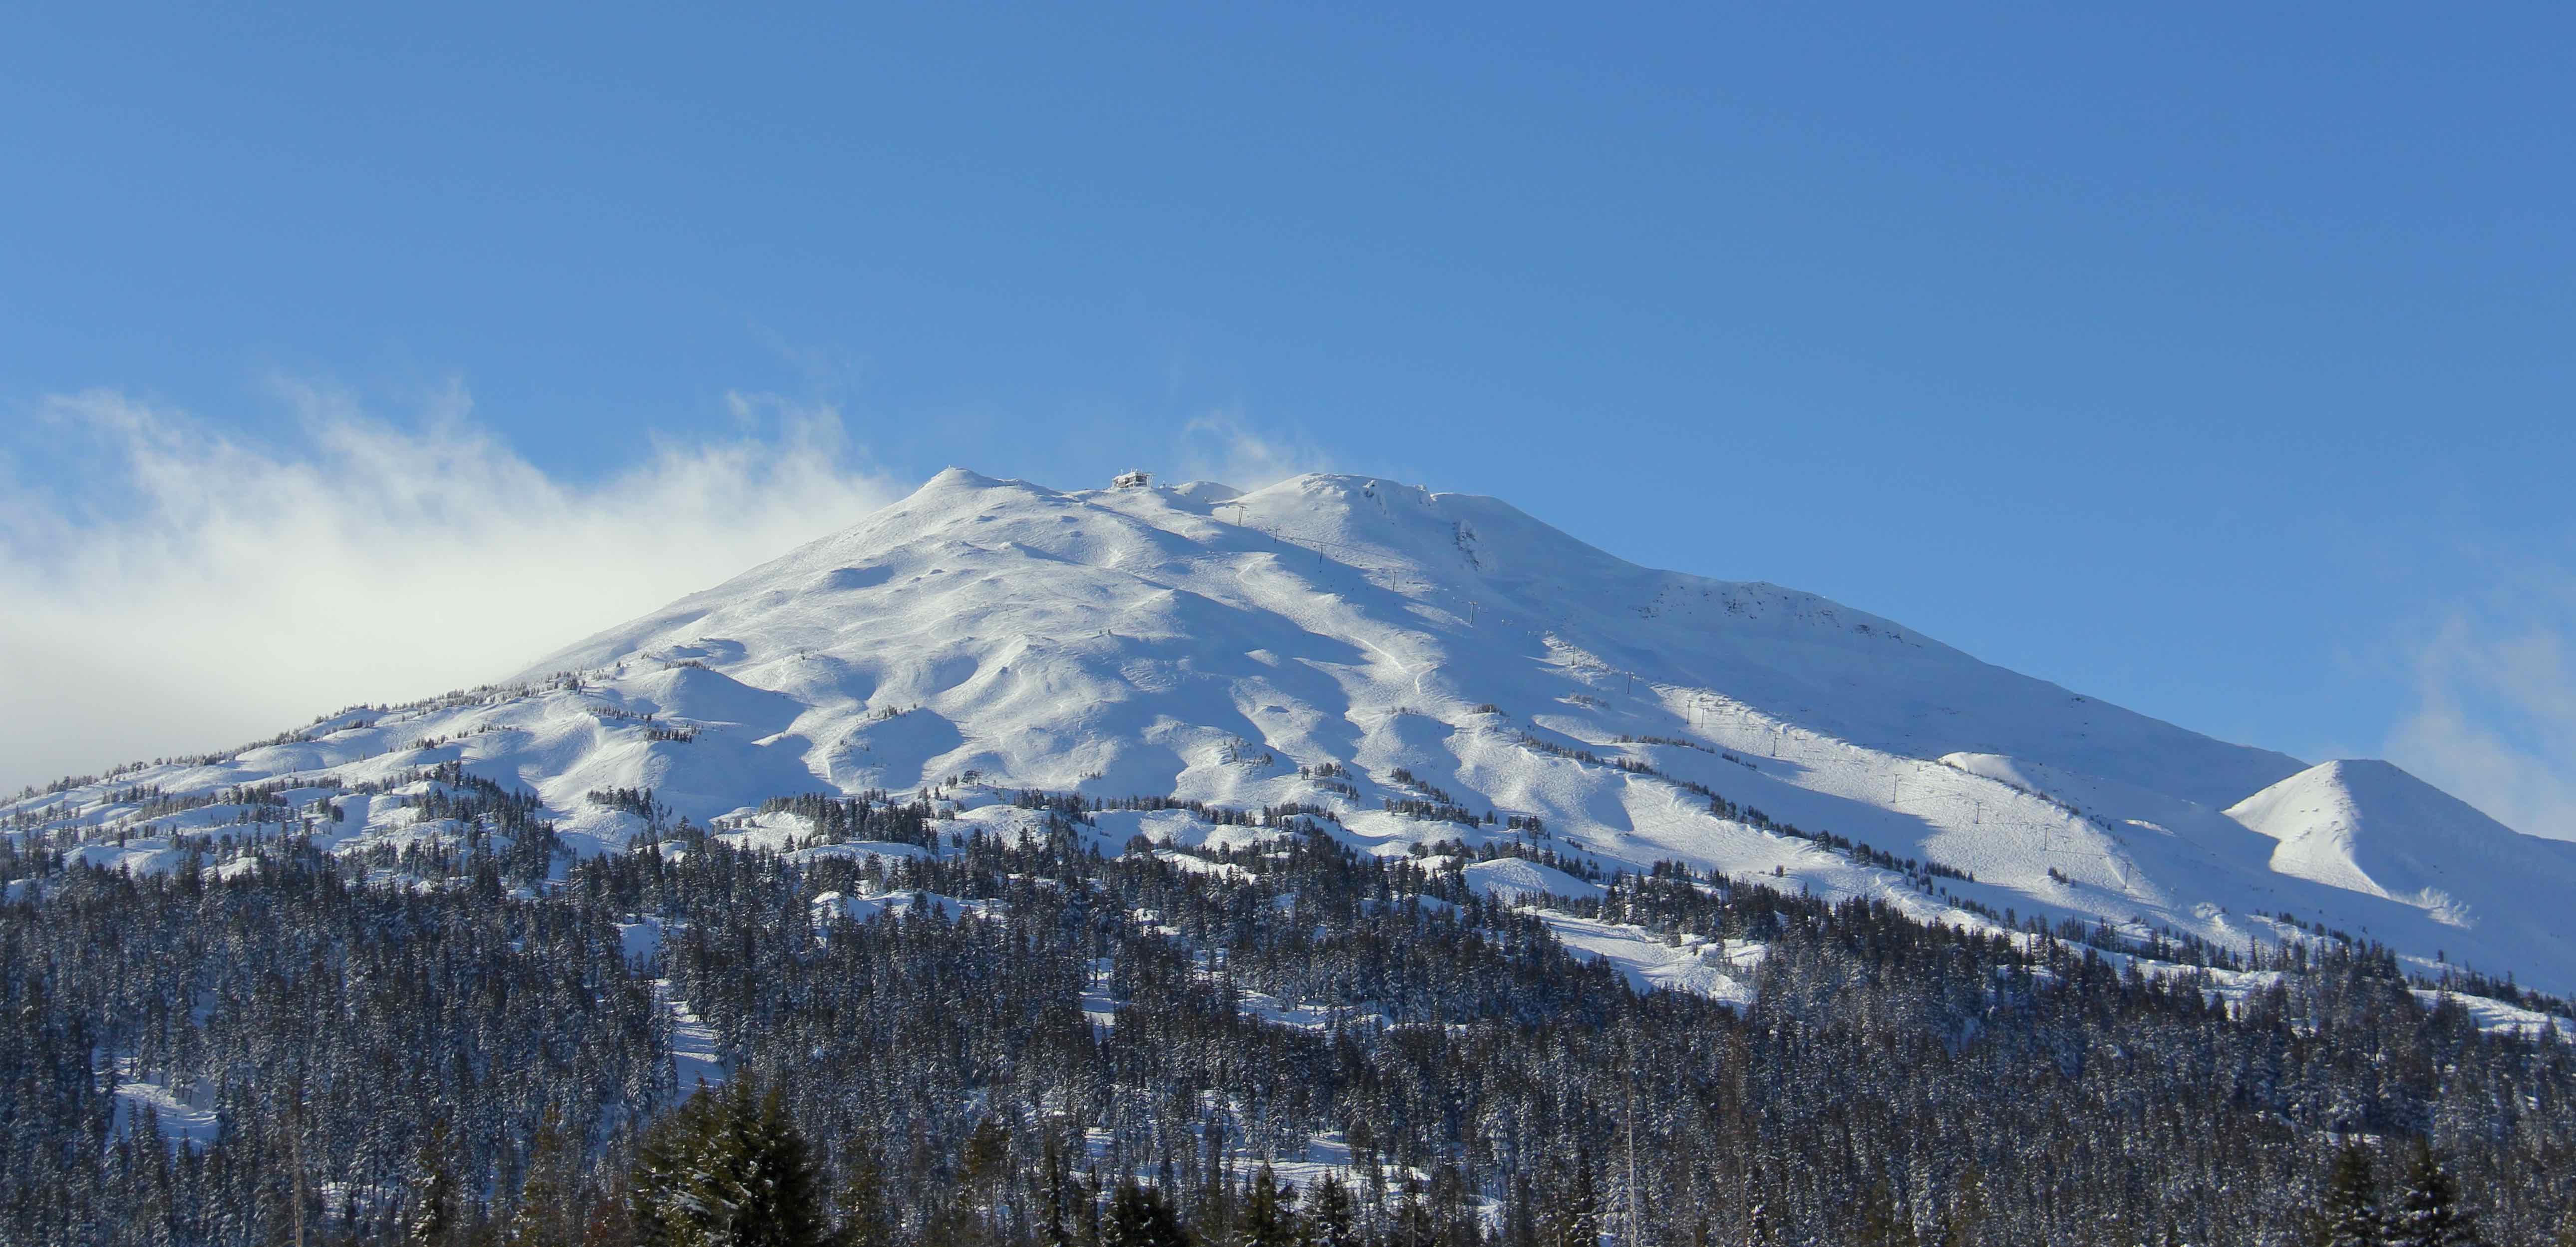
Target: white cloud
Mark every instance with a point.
(2495, 722)
(193, 589)
(1223, 445)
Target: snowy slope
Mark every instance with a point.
(1342, 642)
(2371, 828)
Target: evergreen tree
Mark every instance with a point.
(544, 1216)
(2427, 1212)
(1139, 1216)
(1883, 1221)
(1414, 1224)
(1520, 1217)
(1573, 1215)
(1213, 1220)
(438, 1202)
(1758, 1231)
(1088, 1228)
(610, 1220)
(1329, 1216)
(1267, 1220)
(987, 1154)
(727, 1168)
(1454, 1219)
(783, 1199)
(866, 1219)
(677, 1189)
(2348, 1214)
(1963, 1219)
(975, 1216)
(1056, 1220)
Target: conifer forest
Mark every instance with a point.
(958, 1039)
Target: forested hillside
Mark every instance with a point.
(1039, 1036)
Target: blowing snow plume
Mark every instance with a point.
(366, 560)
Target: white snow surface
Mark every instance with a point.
(2369, 827)
(1201, 643)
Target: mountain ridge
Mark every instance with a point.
(1403, 658)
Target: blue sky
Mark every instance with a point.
(2217, 363)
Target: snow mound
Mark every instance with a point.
(1512, 879)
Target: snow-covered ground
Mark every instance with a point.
(1718, 969)
(1343, 642)
(182, 1121)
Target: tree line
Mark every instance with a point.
(1100, 1048)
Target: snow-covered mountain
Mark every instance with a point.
(1350, 643)
(2369, 827)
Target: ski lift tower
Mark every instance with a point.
(1131, 479)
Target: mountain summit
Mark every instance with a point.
(1432, 667)
(2369, 827)
(1059, 630)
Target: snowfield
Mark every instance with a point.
(1426, 667)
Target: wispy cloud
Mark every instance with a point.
(2495, 720)
(1225, 445)
(195, 588)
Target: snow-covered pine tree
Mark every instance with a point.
(1329, 1217)
(437, 1216)
(2427, 1213)
(545, 1214)
(1057, 1225)
(1883, 1221)
(1140, 1217)
(866, 1220)
(983, 1177)
(1966, 1213)
(2348, 1212)
(1573, 1214)
(679, 1186)
(1266, 1220)
(782, 1203)
(728, 1168)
